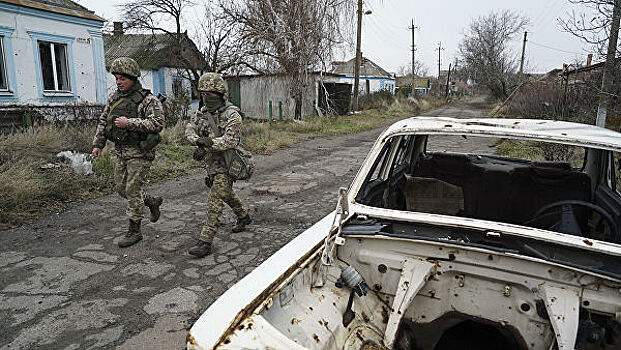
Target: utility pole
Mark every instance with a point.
(413, 55)
(607, 81)
(358, 58)
(439, 57)
(523, 52)
(448, 78)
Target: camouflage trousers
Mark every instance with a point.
(129, 176)
(221, 192)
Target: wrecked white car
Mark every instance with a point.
(455, 234)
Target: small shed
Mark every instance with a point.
(325, 93)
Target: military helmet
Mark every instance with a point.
(125, 66)
(212, 82)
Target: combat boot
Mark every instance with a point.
(132, 236)
(153, 203)
(241, 223)
(201, 249)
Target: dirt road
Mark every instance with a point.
(64, 283)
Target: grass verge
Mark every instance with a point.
(29, 187)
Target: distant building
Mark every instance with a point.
(51, 53)
(372, 77)
(422, 86)
(162, 60)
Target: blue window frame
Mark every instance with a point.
(54, 66)
(8, 83)
(99, 62)
(159, 82)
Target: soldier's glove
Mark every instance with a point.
(199, 153)
(208, 181)
(204, 142)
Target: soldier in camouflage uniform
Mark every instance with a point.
(227, 119)
(132, 119)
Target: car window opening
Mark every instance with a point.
(529, 183)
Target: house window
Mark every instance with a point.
(54, 65)
(4, 80)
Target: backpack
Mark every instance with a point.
(238, 161)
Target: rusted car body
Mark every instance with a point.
(513, 243)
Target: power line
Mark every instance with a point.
(545, 14)
(555, 49)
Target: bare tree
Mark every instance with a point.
(291, 36)
(153, 15)
(220, 40)
(485, 52)
(420, 70)
(592, 27)
(602, 31)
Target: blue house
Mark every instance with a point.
(51, 54)
(372, 77)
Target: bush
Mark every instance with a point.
(377, 100)
(174, 135)
(574, 101)
(177, 108)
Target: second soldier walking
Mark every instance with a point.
(218, 113)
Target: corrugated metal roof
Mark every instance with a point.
(367, 69)
(65, 7)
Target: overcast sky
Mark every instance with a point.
(386, 38)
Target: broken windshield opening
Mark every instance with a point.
(528, 183)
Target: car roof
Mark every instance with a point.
(531, 129)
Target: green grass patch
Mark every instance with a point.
(265, 138)
(172, 161)
(541, 151)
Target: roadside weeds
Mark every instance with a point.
(29, 189)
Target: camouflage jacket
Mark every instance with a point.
(228, 120)
(150, 120)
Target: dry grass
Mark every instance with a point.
(263, 138)
(174, 135)
(27, 189)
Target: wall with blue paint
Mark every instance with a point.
(86, 63)
(375, 84)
